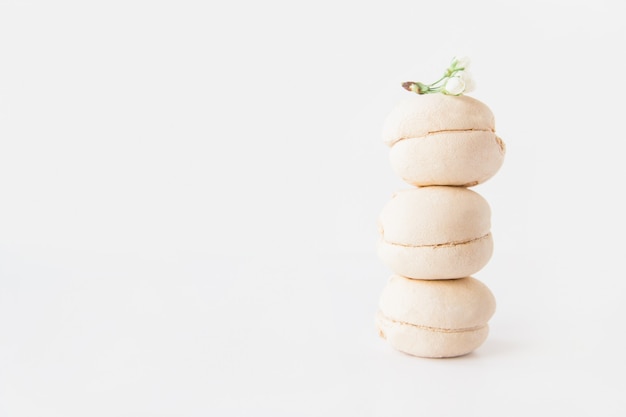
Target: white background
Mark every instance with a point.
(189, 193)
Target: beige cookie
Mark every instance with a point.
(435, 319)
(439, 139)
(435, 232)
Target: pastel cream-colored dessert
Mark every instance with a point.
(435, 319)
(439, 139)
(435, 236)
(436, 232)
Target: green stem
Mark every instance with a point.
(439, 80)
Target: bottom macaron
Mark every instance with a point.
(429, 342)
(435, 318)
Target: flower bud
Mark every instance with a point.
(408, 85)
(415, 87)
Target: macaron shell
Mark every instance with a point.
(458, 158)
(448, 305)
(437, 262)
(426, 343)
(434, 216)
(419, 115)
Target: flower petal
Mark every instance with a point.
(454, 86)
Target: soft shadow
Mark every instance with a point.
(497, 347)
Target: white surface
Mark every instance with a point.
(189, 193)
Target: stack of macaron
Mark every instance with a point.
(436, 234)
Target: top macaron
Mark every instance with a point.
(439, 139)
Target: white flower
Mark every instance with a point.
(460, 62)
(468, 80)
(454, 86)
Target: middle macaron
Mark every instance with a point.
(435, 232)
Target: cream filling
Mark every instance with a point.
(434, 132)
(434, 329)
(438, 245)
